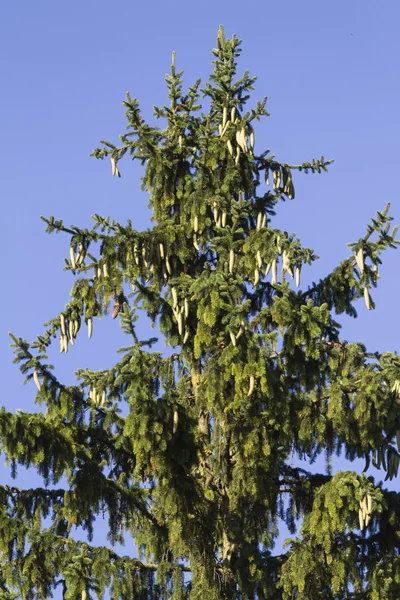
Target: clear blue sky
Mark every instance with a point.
(331, 74)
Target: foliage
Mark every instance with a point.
(191, 453)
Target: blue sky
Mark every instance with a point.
(331, 74)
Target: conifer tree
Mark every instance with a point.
(190, 452)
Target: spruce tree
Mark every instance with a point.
(189, 451)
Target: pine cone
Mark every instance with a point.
(117, 307)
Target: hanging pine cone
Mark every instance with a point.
(117, 306)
